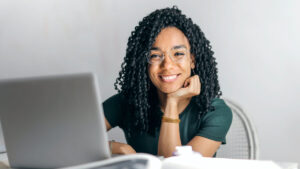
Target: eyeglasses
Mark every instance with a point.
(177, 53)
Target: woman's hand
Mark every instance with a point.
(191, 87)
(178, 100)
(121, 148)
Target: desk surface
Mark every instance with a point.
(283, 165)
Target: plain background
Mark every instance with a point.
(256, 44)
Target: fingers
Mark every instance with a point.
(123, 148)
(193, 85)
(197, 85)
(187, 82)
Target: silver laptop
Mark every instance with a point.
(53, 121)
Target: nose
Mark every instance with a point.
(167, 62)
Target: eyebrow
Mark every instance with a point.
(179, 46)
(175, 47)
(155, 48)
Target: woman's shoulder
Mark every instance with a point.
(114, 108)
(216, 123)
(221, 110)
(219, 103)
(115, 104)
(115, 99)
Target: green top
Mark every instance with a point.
(212, 125)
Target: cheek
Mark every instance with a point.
(186, 69)
(151, 73)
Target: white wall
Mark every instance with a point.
(255, 43)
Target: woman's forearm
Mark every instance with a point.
(121, 148)
(169, 136)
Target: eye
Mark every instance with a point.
(179, 54)
(154, 56)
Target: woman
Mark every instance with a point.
(168, 90)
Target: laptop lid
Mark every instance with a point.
(53, 121)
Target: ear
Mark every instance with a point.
(193, 62)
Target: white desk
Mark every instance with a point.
(283, 165)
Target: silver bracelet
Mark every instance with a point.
(110, 145)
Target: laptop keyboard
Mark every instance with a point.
(126, 164)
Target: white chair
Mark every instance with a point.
(241, 139)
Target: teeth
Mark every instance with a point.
(169, 77)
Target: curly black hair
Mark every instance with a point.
(134, 83)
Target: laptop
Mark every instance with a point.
(53, 121)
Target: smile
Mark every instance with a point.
(168, 78)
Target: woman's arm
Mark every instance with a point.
(206, 147)
(175, 102)
(108, 126)
(116, 147)
(121, 148)
(169, 136)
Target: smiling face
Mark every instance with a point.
(170, 75)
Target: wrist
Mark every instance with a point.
(171, 109)
(171, 115)
(170, 120)
(111, 146)
(172, 101)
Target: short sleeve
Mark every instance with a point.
(113, 109)
(215, 124)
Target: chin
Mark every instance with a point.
(168, 90)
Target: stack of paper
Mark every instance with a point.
(189, 162)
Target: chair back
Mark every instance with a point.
(241, 139)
